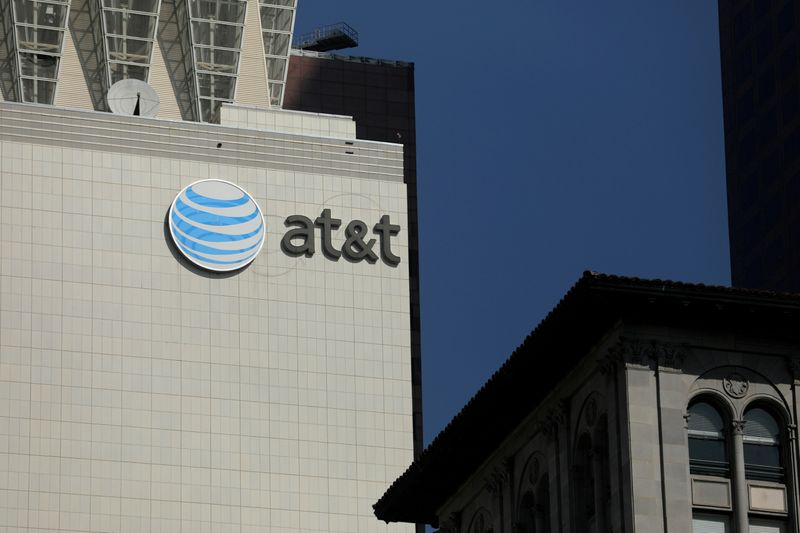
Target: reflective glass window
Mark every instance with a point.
(275, 93)
(130, 30)
(132, 50)
(275, 18)
(120, 71)
(708, 449)
(216, 33)
(219, 10)
(216, 60)
(38, 91)
(39, 65)
(276, 68)
(762, 451)
(216, 86)
(760, 525)
(41, 13)
(209, 109)
(39, 39)
(147, 6)
(276, 44)
(286, 3)
(710, 523)
(130, 24)
(212, 34)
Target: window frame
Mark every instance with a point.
(761, 473)
(740, 479)
(702, 467)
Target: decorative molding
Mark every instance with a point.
(670, 355)
(508, 464)
(559, 411)
(632, 352)
(591, 411)
(642, 353)
(481, 523)
(497, 479)
(735, 385)
(609, 362)
(452, 524)
(534, 471)
(447, 527)
(557, 416)
(794, 367)
(554, 417)
(493, 485)
(738, 426)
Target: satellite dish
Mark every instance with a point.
(132, 97)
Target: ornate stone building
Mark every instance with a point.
(636, 405)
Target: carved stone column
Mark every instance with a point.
(791, 484)
(496, 485)
(740, 501)
(600, 470)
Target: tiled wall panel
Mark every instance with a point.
(140, 394)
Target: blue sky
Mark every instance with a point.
(554, 136)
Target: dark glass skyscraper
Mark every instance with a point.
(760, 46)
(379, 95)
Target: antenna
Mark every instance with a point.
(132, 97)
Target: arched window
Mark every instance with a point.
(534, 507)
(604, 463)
(526, 518)
(708, 447)
(584, 484)
(762, 446)
(481, 522)
(542, 506)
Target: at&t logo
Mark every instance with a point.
(217, 225)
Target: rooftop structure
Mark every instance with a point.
(332, 37)
(196, 54)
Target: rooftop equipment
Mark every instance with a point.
(132, 97)
(326, 38)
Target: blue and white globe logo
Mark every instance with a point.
(217, 225)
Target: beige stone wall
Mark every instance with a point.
(283, 121)
(71, 89)
(162, 84)
(138, 393)
(251, 87)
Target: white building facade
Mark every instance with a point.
(140, 391)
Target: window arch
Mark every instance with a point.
(604, 461)
(762, 445)
(533, 513)
(708, 440)
(542, 505)
(526, 516)
(584, 484)
(481, 522)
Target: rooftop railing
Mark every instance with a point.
(332, 37)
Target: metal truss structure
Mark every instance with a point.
(211, 32)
